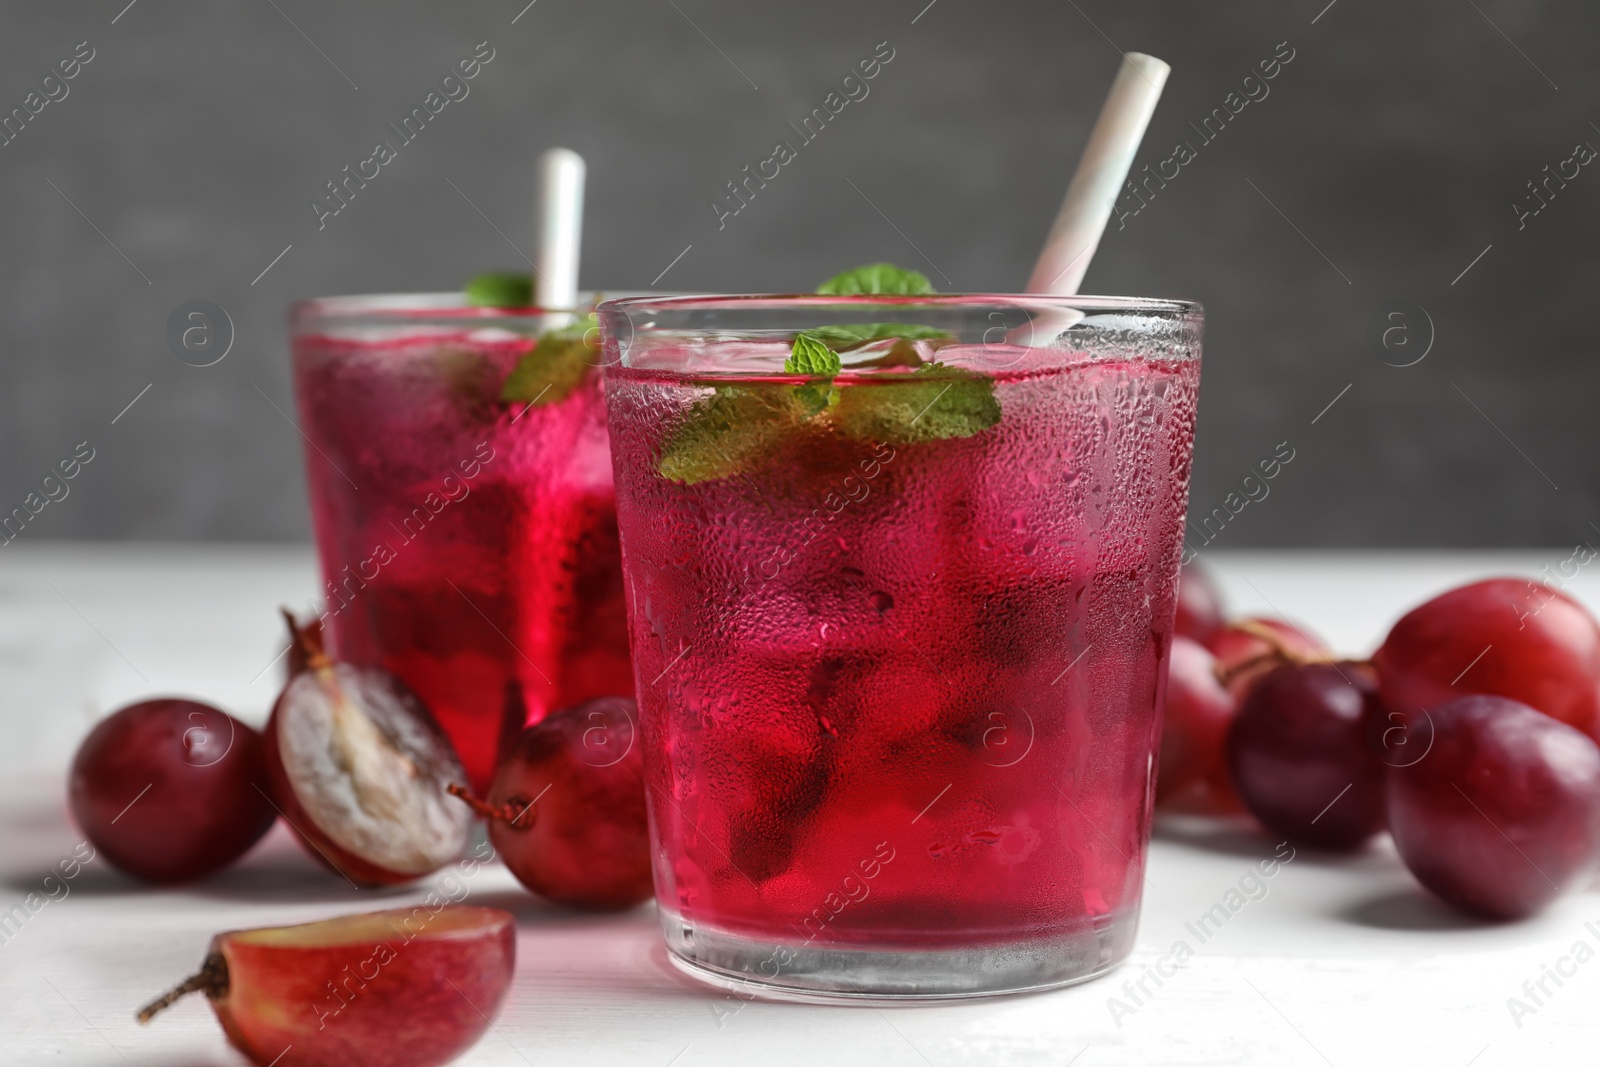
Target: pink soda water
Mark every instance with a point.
(901, 699)
(468, 544)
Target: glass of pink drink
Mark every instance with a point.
(900, 639)
(468, 543)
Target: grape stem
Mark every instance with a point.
(519, 816)
(1277, 654)
(211, 979)
(310, 648)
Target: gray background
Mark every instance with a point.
(1386, 157)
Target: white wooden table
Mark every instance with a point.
(1341, 962)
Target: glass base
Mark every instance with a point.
(809, 972)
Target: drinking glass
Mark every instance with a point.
(900, 634)
(468, 543)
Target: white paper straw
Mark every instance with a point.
(558, 216)
(1086, 208)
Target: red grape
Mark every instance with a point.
(1505, 637)
(1299, 755)
(1249, 648)
(567, 807)
(1503, 813)
(171, 790)
(1199, 604)
(1194, 771)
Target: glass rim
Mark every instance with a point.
(426, 306)
(767, 301)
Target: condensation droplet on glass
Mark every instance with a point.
(880, 600)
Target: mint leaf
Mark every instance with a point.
(729, 431)
(811, 355)
(501, 289)
(555, 367)
(877, 278)
(932, 403)
(854, 335)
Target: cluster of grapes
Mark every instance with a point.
(171, 790)
(1470, 735)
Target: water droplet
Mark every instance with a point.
(984, 837)
(828, 727)
(1030, 546)
(881, 601)
(822, 631)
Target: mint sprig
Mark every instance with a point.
(734, 429)
(877, 279)
(853, 335)
(729, 431)
(810, 354)
(556, 366)
(932, 403)
(500, 289)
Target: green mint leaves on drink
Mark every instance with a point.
(500, 289)
(811, 355)
(932, 403)
(877, 279)
(732, 430)
(729, 431)
(556, 365)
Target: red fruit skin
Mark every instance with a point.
(202, 810)
(1199, 604)
(1235, 646)
(589, 842)
(1299, 740)
(1193, 776)
(1502, 815)
(395, 1002)
(1543, 650)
